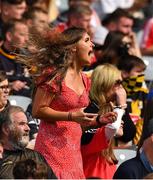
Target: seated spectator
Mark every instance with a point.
(4, 103)
(132, 69)
(30, 169)
(14, 132)
(16, 36)
(97, 148)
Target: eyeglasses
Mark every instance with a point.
(118, 82)
(4, 87)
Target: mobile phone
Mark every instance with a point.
(92, 108)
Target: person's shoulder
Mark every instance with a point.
(129, 169)
(28, 150)
(33, 154)
(131, 162)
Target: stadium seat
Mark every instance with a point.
(19, 101)
(124, 154)
(148, 72)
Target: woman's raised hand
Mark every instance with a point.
(108, 117)
(121, 96)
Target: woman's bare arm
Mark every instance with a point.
(42, 110)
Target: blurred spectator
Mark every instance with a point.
(36, 19)
(30, 169)
(14, 132)
(78, 16)
(132, 69)
(119, 20)
(16, 36)
(11, 9)
(140, 10)
(95, 20)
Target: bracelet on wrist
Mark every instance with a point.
(69, 116)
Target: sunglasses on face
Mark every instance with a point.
(4, 87)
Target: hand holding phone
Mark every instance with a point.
(92, 108)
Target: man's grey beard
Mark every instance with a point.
(21, 143)
(18, 140)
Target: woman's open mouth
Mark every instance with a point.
(90, 53)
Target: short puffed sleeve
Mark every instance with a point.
(48, 85)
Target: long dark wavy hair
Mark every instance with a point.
(52, 49)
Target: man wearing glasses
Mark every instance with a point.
(4, 91)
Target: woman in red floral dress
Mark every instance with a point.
(61, 93)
